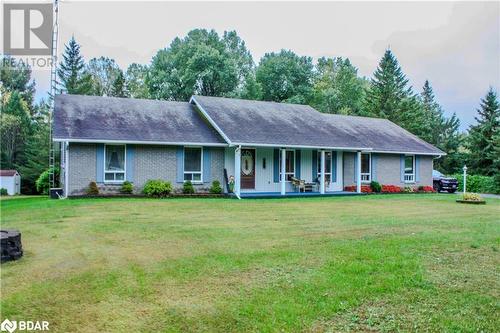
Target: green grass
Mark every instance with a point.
(373, 263)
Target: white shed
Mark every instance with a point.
(11, 181)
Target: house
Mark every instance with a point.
(110, 140)
(11, 181)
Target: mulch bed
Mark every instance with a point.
(471, 202)
(142, 196)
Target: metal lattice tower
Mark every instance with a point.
(53, 90)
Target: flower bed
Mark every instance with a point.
(391, 189)
(426, 189)
(364, 189)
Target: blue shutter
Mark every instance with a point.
(355, 168)
(297, 163)
(130, 163)
(314, 165)
(276, 165)
(417, 168)
(180, 164)
(334, 166)
(374, 167)
(402, 167)
(100, 163)
(207, 165)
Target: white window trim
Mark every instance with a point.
(327, 172)
(113, 171)
(184, 172)
(294, 165)
(367, 175)
(410, 179)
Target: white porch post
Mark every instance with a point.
(322, 173)
(66, 168)
(283, 170)
(358, 172)
(237, 171)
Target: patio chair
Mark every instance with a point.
(299, 184)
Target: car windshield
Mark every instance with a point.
(436, 173)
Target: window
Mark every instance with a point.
(328, 166)
(409, 169)
(289, 165)
(366, 168)
(114, 163)
(192, 164)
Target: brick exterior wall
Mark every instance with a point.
(388, 170)
(82, 167)
(150, 162)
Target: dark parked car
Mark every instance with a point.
(443, 183)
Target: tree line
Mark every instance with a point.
(206, 63)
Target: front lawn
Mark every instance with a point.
(371, 263)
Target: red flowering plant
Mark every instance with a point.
(426, 189)
(391, 189)
(364, 188)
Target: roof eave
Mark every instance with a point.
(140, 142)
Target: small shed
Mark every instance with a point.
(11, 181)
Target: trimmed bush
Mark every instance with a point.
(42, 183)
(157, 188)
(127, 187)
(471, 197)
(375, 186)
(477, 183)
(93, 189)
(188, 188)
(216, 188)
(3, 191)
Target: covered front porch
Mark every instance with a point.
(305, 171)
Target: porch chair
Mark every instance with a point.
(299, 183)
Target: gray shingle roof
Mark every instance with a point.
(280, 124)
(98, 118)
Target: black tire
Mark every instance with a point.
(452, 191)
(437, 188)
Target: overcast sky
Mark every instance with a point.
(456, 45)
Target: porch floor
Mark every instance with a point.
(256, 195)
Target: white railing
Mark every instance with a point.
(409, 178)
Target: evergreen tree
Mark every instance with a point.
(481, 141)
(118, 89)
(16, 75)
(71, 71)
(389, 91)
(433, 118)
(103, 71)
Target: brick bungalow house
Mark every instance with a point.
(109, 140)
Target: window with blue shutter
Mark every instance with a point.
(207, 165)
(297, 163)
(100, 163)
(276, 165)
(180, 164)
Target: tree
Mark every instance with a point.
(251, 88)
(481, 136)
(135, 78)
(201, 63)
(104, 72)
(388, 90)
(285, 77)
(16, 75)
(337, 87)
(71, 71)
(15, 128)
(433, 118)
(118, 89)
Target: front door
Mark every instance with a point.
(247, 168)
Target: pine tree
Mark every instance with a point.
(118, 89)
(433, 118)
(389, 90)
(71, 71)
(481, 136)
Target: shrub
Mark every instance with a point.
(391, 189)
(477, 183)
(188, 188)
(3, 191)
(471, 197)
(157, 188)
(216, 188)
(364, 188)
(93, 189)
(375, 186)
(42, 183)
(425, 189)
(127, 187)
(409, 189)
